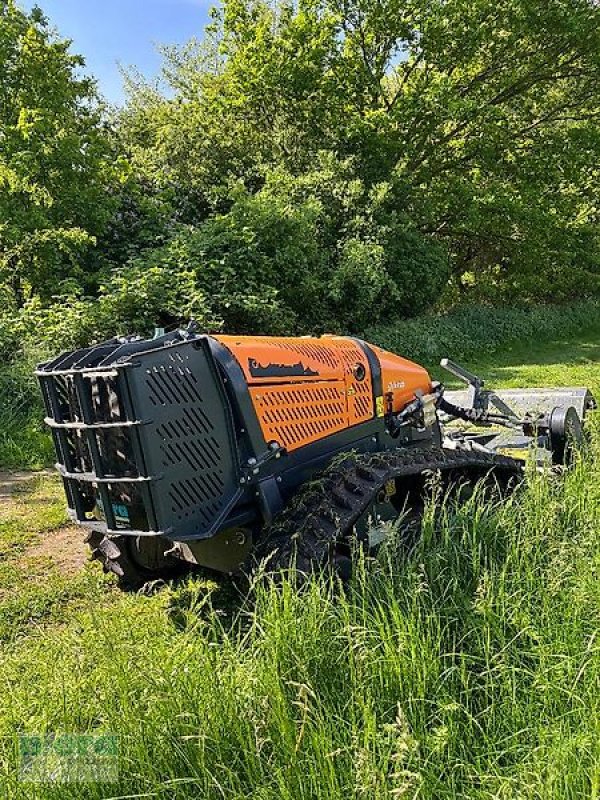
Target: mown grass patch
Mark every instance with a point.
(566, 361)
(36, 506)
(473, 332)
(40, 581)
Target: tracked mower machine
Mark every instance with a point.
(190, 449)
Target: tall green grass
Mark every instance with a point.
(472, 331)
(470, 669)
(24, 441)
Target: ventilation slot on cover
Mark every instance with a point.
(195, 496)
(322, 354)
(297, 416)
(187, 442)
(172, 385)
(360, 401)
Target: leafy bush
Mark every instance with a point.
(314, 253)
(132, 300)
(24, 439)
(258, 265)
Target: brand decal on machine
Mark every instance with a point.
(279, 370)
(396, 385)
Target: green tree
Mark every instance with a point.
(480, 115)
(59, 173)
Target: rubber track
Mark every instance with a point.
(327, 509)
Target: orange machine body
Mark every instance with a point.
(304, 388)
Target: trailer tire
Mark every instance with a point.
(566, 434)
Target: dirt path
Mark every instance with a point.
(24, 503)
(14, 482)
(64, 549)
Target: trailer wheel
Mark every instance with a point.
(566, 434)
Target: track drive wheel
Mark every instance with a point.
(136, 561)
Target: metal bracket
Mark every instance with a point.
(269, 498)
(254, 466)
(476, 396)
(474, 382)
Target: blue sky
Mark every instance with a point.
(108, 32)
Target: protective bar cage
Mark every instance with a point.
(144, 436)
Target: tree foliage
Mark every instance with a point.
(480, 118)
(313, 164)
(317, 252)
(57, 166)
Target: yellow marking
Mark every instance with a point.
(390, 489)
(379, 406)
(514, 452)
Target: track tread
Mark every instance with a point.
(345, 491)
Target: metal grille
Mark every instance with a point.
(67, 399)
(172, 383)
(193, 493)
(295, 416)
(144, 435)
(320, 353)
(93, 440)
(360, 394)
(361, 403)
(346, 356)
(188, 442)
